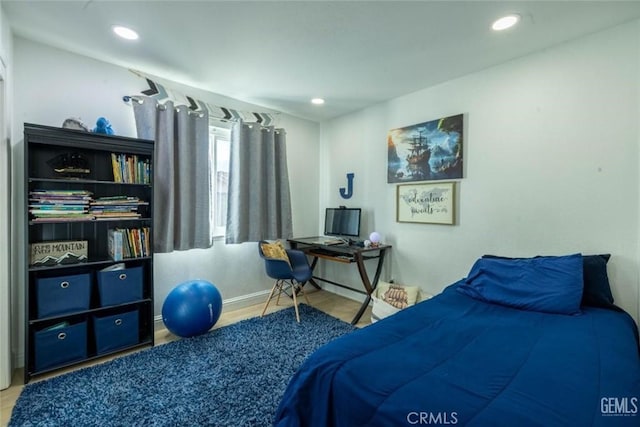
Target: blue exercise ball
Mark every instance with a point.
(192, 308)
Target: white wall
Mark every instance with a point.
(551, 157)
(53, 85)
(5, 186)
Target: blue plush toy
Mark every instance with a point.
(103, 126)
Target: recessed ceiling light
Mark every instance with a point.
(125, 33)
(505, 22)
(317, 101)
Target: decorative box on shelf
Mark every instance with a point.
(60, 344)
(60, 295)
(116, 331)
(59, 252)
(120, 286)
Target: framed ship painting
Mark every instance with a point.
(426, 151)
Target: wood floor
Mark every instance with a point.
(332, 304)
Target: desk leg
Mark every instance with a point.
(360, 312)
(313, 267)
(369, 286)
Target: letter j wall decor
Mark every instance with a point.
(432, 203)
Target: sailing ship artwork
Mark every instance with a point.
(426, 151)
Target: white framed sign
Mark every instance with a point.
(432, 203)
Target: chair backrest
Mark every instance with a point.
(275, 268)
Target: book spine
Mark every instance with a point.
(132, 244)
(139, 246)
(115, 245)
(126, 252)
(120, 170)
(147, 240)
(134, 166)
(132, 177)
(115, 165)
(147, 172)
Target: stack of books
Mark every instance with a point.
(116, 207)
(130, 169)
(129, 243)
(60, 205)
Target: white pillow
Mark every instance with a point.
(381, 309)
(397, 295)
(390, 298)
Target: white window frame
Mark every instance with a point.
(218, 134)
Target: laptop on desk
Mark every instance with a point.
(329, 241)
(319, 240)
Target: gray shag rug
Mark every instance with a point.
(231, 376)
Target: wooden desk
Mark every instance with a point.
(347, 254)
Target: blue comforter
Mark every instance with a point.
(455, 360)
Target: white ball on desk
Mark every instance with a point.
(374, 237)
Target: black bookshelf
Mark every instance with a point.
(77, 308)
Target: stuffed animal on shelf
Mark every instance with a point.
(103, 126)
(75, 123)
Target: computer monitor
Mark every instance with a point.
(342, 222)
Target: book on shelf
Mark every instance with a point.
(128, 243)
(59, 205)
(77, 193)
(65, 219)
(116, 207)
(57, 326)
(130, 169)
(78, 205)
(114, 242)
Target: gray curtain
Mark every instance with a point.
(181, 178)
(259, 199)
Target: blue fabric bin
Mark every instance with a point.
(55, 347)
(63, 295)
(120, 286)
(115, 331)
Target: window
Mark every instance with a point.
(219, 150)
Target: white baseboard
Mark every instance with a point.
(356, 296)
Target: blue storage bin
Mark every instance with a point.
(120, 286)
(63, 295)
(115, 331)
(55, 347)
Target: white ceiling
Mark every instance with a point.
(280, 54)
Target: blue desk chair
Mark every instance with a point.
(290, 275)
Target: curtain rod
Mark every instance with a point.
(127, 99)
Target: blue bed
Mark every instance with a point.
(463, 358)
